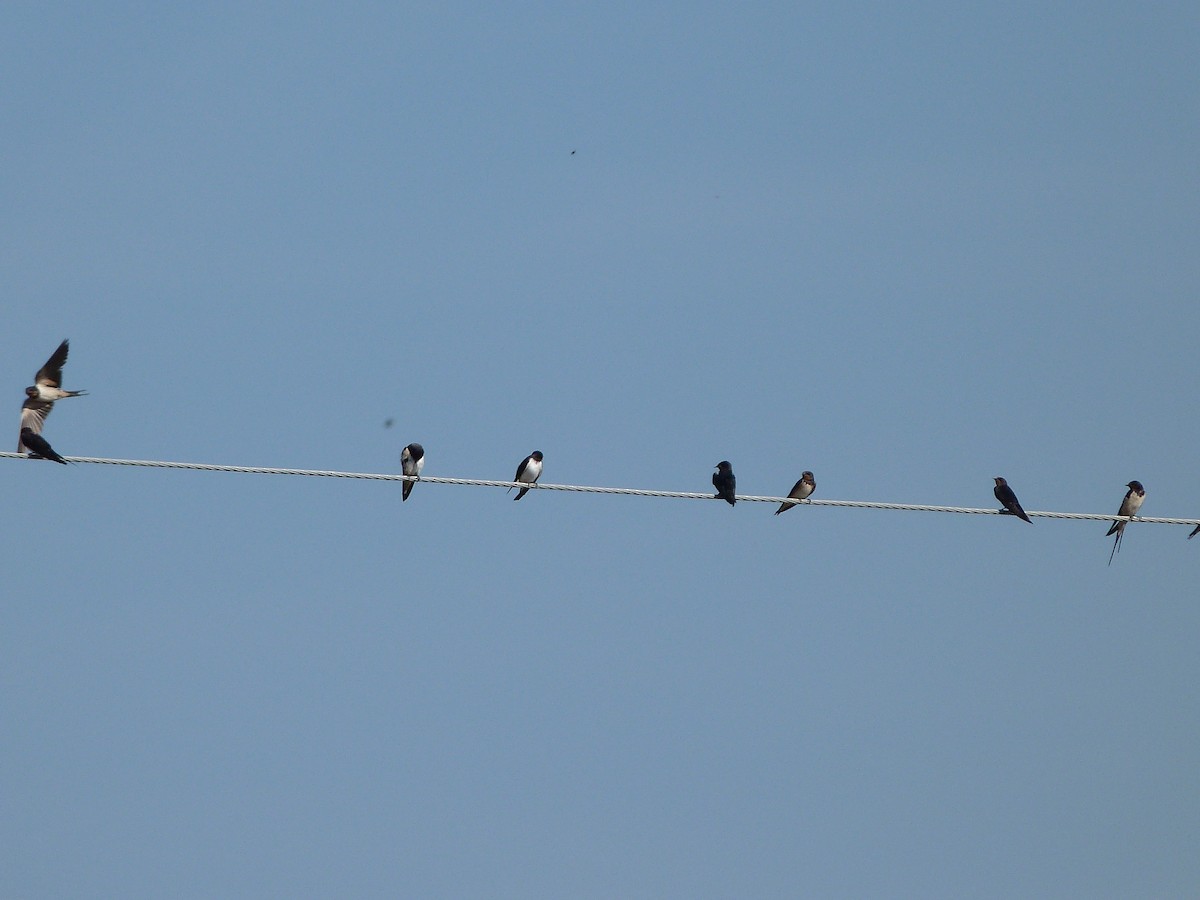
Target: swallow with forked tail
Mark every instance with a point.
(1012, 506)
(40, 396)
(38, 447)
(1134, 498)
(801, 490)
(528, 472)
(412, 461)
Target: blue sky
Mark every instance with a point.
(908, 247)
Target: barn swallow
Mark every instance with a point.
(1194, 533)
(801, 490)
(412, 461)
(1012, 506)
(725, 483)
(40, 396)
(39, 447)
(1134, 498)
(528, 472)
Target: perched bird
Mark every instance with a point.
(528, 472)
(1009, 500)
(412, 461)
(801, 490)
(39, 447)
(725, 483)
(1194, 533)
(40, 396)
(1134, 498)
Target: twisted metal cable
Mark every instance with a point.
(591, 489)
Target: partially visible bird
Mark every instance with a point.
(1194, 533)
(39, 447)
(1134, 497)
(528, 472)
(40, 396)
(725, 483)
(1009, 500)
(412, 461)
(801, 490)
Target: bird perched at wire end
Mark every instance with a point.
(1012, 506)
(412, 461)
(1134, 497)
(725, 483)
(801, 490)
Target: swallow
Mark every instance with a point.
(40, 396)
(412, 461)
(1134, 498)
(725, 483)
(801, 490)
(1012, 506)
(528, 472)
(1194, 533)
(38, 446)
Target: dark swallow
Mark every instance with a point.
(39, 447)
(1134, 498)
(801, 490)
(1012, 506)
(528, 472)
(412, 461)
(1194, 533)
(40, 396)
(725, 483)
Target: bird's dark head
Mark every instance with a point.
(1136, 486)
(807, 476)
(26, 432)
(414, 451)
(724, 465)
(31, 391)
(537, 455)
(1000, 482)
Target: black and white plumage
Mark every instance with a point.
(1009, 500)
(412, 461)
(1134, 497)
(41, 395)
(38, 447)
(725, 483)
(801, 490)
(528, 472)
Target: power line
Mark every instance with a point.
(592, 489)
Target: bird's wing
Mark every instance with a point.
(33, 414)
(522, 467)
(51, 373)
